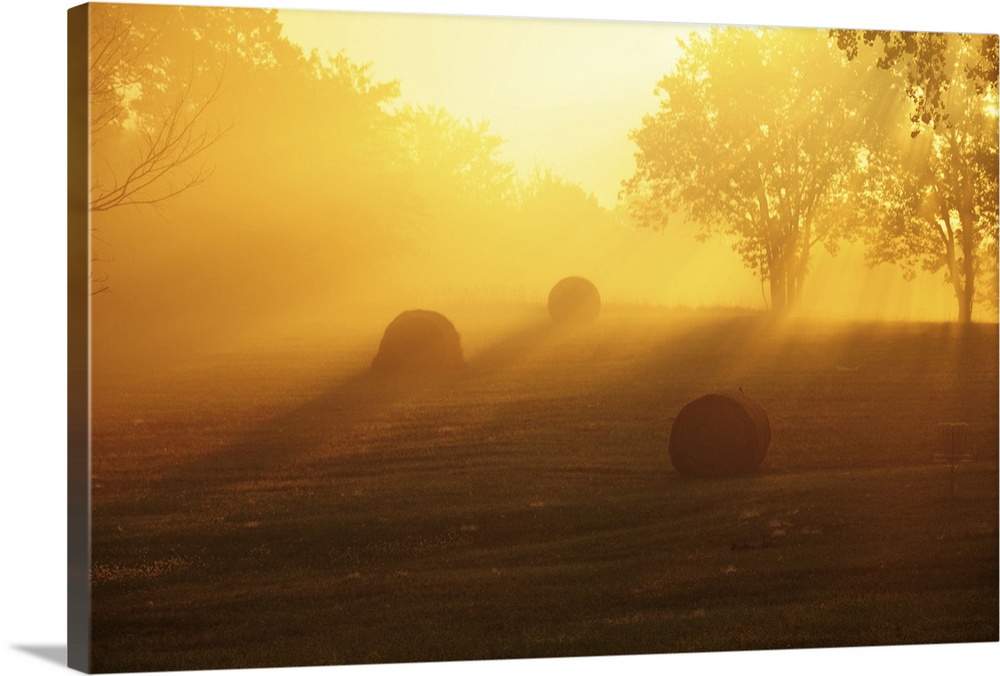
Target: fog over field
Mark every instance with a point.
(588, 227)
(324, 163)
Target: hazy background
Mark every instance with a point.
(34, 340)
(515, 141)
(563, 93)
(564, 96)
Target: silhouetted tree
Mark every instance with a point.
(926, 64)
(460, 194)
(934, 193)
(556, 215)
(157, 72)
(303, 133)
(456, 156)
(549, 198)
(753, 138)
(136, 102)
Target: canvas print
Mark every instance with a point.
(402, 338)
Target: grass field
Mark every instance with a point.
(276, 506)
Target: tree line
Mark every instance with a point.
(216, 107)
(790, 139)
(784, 139)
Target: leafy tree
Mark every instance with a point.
(549, 199)
(564, 227)
(754, 139)
(136, 101)
(456, 195)
(936, 192)
(456, 156)
(926, 63)
(303, 134)
(168, 82)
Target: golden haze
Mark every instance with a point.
(309, 214)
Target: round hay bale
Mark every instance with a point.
(720, 434)
(419, 342)
(574, 300)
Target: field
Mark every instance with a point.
(276, 505)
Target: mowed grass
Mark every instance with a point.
(278, 506)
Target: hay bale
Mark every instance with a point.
(419, 342)
(720, 434)
(574, 300)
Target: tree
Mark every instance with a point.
(925, 62)
(132, 103)
(753, 138)
(457, 156)
(549, 200)
(169, 83)
(937, 192)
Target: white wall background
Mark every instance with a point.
(33, 330)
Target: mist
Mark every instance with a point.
(329, 198)
(396, 325)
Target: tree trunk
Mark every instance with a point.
(966, 218)
(964, 278)
(956, 274)
(795, 290)
(961, 276)
(965, 292)
(797, 277)
(777, 293)
(779, 284)
(786, 282)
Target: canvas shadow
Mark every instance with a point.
(57, 654)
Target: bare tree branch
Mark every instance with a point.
(172, 140)
(173, 143)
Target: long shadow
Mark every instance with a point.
(512, 348)
(840, 393)
(340, 422)
(327, 421)
(706, 353)
(278, 441)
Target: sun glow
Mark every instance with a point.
(438, 160)
(388, 340)
(562, 93)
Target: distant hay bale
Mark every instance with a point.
(574, 300)
(419, 342)
(720, 434)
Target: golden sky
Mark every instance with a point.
(557, 90)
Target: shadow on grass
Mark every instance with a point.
(327, 423)
(511, 349)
